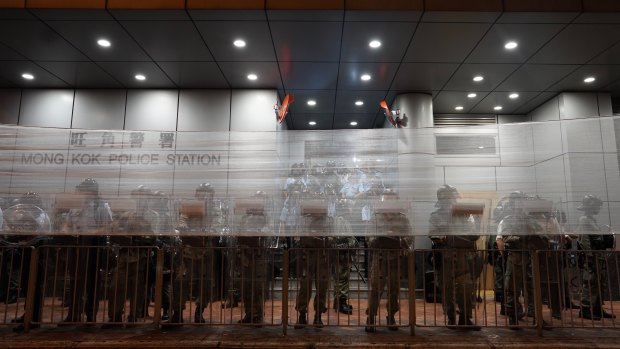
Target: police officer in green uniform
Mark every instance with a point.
(385, 267)
(254, 230)
(594, 272)
(449, 233)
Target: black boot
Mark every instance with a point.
(302, 321)
(198, 315)
(391, 322)
(166, 315)
(317, 320)
(176, 320)
(257, 321)
(370, 328)
(586, 313)
(342, 306)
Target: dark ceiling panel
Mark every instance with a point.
(307, 41)
(345, 101)
(12, 71)
(150, 15)
(72, 14)
(604, 74)
(423, 76)
(228, 15)
(610, 56)
(324, 101)
(220, 36)
(308, 75)
(394, 38)
(195, 74)
(535, 102)
(578, 43)
(37, 41)
(16, 13)
(599, 17)
(300, 121)
(81, 74)
(342, 121)
(381, 76)
(459, 16)
(237, 74)
(169, 40)
(125, 72)
(537, 17)
(493, 75)
(382, 16)
(8, 54)
(84, 35)
(530, 38)
(306, 15)
(501, 99)
(446, 101)
(535, 77)
(444, 42)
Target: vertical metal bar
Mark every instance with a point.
(411, 281)
(32, 280)
(285, 291)
(537, 292)
(159, 281)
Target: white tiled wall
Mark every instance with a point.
(9, 105)
(46, 108)
(547, 140)
(550, 110)
(152, 110)
(550, 179)
(252, 110)
(204, 110)
(99, 109)
(578, 105)
(586, 175)
(516, 145)
(582, 135)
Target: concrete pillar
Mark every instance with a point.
(417, 107)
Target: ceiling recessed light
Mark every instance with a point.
(365, 77)
(589, 79)
(359, 103)
(458, 107)
(140, 77)
(511, 45)
(374, 44)
(480, 147)
(311, 102)
(471, 95)
(312, 123)
(478, 78)
(252, 76)
(497, 107)
(103, 43)
(513, 95)
(353, 123)
(239, 43)
(27, 76)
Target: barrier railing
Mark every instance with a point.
(255, 285)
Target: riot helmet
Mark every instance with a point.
(141, 194)
(590, 203)
(160, 201)
(31, 198)
(88, 186)
(204, 191)
(447, 193)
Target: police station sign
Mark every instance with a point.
(183, 159)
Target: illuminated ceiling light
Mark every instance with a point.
(27, 76)
(239, 43)
(359, 103)
(104, 43)
(478, 78)
(513, 95)
(312, 123)
(497, 107)
(353, 123)
(375, 44)
(140, 77)
(458, 107)
(510, 45)
(471, 95)
(311, 102)
(365, 77)
(589, 79)
(480, 147)
(252, 76)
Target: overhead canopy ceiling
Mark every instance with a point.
(321, 54)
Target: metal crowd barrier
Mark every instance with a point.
(388, 289)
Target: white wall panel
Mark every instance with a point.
(99, 109)
(151, 110)
(612, 175)
(9, 105)
(516, 145)
(547, 140)
(604, 104)
(515, 178)
(508, 119)
(583, 135)
(204, 110)
(471, 178)
(46, 108)
(252, 110)
(550, 110)
(575, 105)
(585, 174)
(550, 179)
(608, 134)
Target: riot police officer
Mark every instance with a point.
(594, 279)
(90, 224)
(450, 234)
(385, 266)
